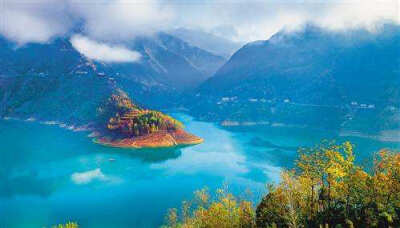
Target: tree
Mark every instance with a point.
(327, 189)
(336, 191)
(226, 211)
(67, 225)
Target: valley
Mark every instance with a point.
(116, 136)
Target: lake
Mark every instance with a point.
(52, 175)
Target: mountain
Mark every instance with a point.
(314, 77)
(207, 41)
(53, 81)
(181, 64)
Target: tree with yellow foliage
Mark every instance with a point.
(224, 212)
(327, 189)
(67, 225)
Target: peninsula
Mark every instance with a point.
(124, 124)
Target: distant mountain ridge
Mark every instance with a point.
(184, 66)
(207, 41)
(54, 81)
(310, 77)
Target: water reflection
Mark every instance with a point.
(260, 142)
(217, 163)
(219, 154)
(146, 155)
(28, 185)
(57, 169)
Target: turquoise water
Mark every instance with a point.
(52, 175)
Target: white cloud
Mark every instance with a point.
(33, 21)
(39, 20)
(353, 14)
(122, 19)
(87, 177)
(259, 19)
(103, 52)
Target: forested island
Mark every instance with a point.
(124, 124)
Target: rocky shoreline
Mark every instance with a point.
(155, 140)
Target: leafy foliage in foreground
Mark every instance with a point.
(328, 188)
(325, 190)
(225, 211)
(67, 225)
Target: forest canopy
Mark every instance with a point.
(124, 118)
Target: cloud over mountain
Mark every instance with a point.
(33, 21)
(103, 52)
(121, 19)
(240, 20)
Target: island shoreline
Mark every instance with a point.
(156, 140)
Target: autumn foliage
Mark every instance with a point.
(67, 225)
(326, 189)
(226, 211)
(128, 120)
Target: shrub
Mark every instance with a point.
(67, 225)
(226, 211)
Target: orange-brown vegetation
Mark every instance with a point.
(131, 126)
(153, 140)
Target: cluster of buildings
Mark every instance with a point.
(251, 100)
(354, 104)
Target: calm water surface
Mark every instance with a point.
(51, 175)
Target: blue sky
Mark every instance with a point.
(240, 20)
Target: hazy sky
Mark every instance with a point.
(240, 20)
